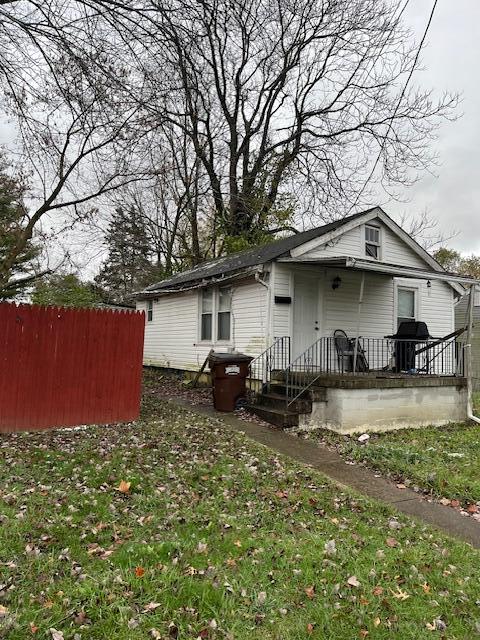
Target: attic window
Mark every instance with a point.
(372, 242)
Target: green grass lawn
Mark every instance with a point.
(216, 537)
(440, 460)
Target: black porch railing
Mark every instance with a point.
(374, 356)
(274, 359)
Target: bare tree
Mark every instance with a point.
(424, 228)
(255, 109)
(275, 95)
(79, 136)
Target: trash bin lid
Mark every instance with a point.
(223, 358)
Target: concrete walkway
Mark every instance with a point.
(357, 477)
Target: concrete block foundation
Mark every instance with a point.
(383, 405)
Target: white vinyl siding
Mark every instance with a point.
(339, 308)
(352, 243)
(282, 286)
(172, 338)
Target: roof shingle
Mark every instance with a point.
(248, 258)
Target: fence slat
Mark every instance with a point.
(66, 367)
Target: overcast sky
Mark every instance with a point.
(451, 61)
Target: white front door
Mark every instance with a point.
(306, 323)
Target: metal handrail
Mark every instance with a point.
(373, 356)
(274, 357)
(304, 358)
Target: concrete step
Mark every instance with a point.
(279, 417)
(279, 401)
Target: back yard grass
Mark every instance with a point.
(442, 461)
(175, 527)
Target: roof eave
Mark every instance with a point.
(199, 284)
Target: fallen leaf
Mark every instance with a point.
(33, 628)
(261, 597)
(310, 591)
(426, 587)
(81, 618)
(377, 591)
(310, 628)
(399, 594)
(202, 547)
(56, 635)
(400, 485)
(353, 581)
(3, 611)
(156, 635)
(472, 508)
(151, 606)
(139, 572)
(124, 487)
(454, 503)
(391, 542)
(363, 633)
(377, 622)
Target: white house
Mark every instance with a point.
(363, 275)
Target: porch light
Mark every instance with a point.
(337, 281)
(429, 284)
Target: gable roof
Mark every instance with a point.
(250, 257)
(243, 262)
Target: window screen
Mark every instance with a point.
(224, 313)
(207, 314)
(405, 305)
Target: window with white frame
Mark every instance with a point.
(206, 315)
(216, 314)
(224, 313)
(372, 242)
(150, 311)
(406, 305)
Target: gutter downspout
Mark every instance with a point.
(468, 347)
(268, 316)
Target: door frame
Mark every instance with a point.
(314, 275)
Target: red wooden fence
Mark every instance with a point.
(67, 367)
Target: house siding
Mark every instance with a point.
(283, 286)
(352, 243)
(461, 321)
(378, 315)
(172, 338)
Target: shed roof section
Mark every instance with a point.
(239, 262)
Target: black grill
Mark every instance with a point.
(408, 335)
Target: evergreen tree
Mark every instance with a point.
(128, 267)
(16, 257)
(65, 290)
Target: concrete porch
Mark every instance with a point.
(348, 403)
